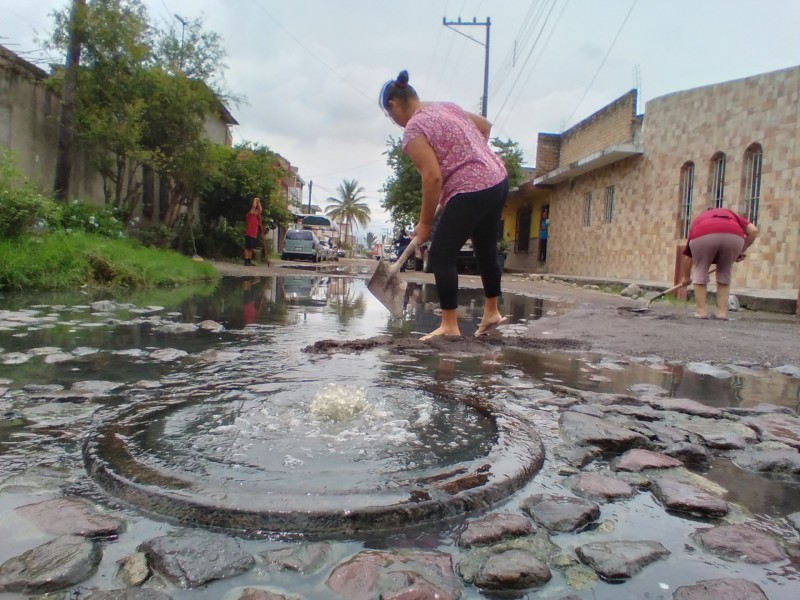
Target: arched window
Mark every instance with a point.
(687, 189)
(717, 181)
(752, 181)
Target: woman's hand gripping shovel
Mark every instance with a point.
(386, 286)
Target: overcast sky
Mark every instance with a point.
(311, 70)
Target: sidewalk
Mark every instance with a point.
(777, 301)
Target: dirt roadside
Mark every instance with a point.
(605, 323)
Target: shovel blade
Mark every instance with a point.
(388, 288)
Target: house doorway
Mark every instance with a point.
(523, 229)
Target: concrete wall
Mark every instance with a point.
(29, 115)
(643, 237)
(610, 125)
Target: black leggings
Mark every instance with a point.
(473, 215)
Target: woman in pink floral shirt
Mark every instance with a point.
(462, 175)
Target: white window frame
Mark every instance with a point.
(754, 157)
(687, 192)
(717, 190)
(608, 214)
(587, 209)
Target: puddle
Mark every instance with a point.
(245, 408)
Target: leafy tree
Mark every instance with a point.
(371, 239)
(512, 157)
(109, 108)
(403, 190)
(349, 208)
(234, 177)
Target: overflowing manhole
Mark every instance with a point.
(338, 460)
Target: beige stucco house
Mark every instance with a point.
(621, 188)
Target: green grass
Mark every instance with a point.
(64, 261)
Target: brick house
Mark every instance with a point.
(622, 188)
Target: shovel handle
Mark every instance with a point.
(404, 257)
(673, 288)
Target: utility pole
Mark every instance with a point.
(66, 134)
(183, 23)
(488, 25)
(310, 185)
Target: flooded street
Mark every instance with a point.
(290, 416)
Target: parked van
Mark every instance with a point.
(301, 243)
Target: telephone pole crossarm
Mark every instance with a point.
(488, 25)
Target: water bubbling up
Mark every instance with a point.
(339, 402)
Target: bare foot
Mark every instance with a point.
(700, 314)
(439, 332)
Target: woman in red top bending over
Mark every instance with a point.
(717, 236)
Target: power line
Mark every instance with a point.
(536, 62)
(603, 62)
(304, 47)
(522, 70)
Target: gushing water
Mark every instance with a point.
(339, 402)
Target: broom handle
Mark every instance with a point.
(404, 256)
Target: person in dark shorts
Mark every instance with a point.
(252, 222)
(717, 236)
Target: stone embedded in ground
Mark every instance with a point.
(740, 542)
(631, 291)
(493, 528)
(794, 520)
(303, 558)
(701, 368)
(539, 545)
(96, 387)
(600, 487)
(512, 570)
(693, 455)
(681, 497)
(638, 459)
(560, 513)
(58, 564)
(585, 430)
(722, 434)
(789, 370)
(640, 413)
(168, 354)
(191, 558)
(769, 461)
(70, 516)
(620, 560)
(683, 405)
(662, 433)
(396, 575)
(133, 569)
(211, 326)
(776, 428)
(257, 594)
(128, 594)
(576, 456)
(718, 589)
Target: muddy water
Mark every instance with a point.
(256, 411)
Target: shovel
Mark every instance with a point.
(667, 291)
(386, 286)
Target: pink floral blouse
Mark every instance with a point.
(466, 161)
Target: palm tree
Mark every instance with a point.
(371, 239)
(349, 207)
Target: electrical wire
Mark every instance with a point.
(603, 62)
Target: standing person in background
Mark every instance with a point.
(717, 236)
(252, 222)
(544, 224)
(402, 242)
(450, 149)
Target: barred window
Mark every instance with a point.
(687, 188)
(717, 179)
(587, 209)
(608, 216)
(752, 182)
